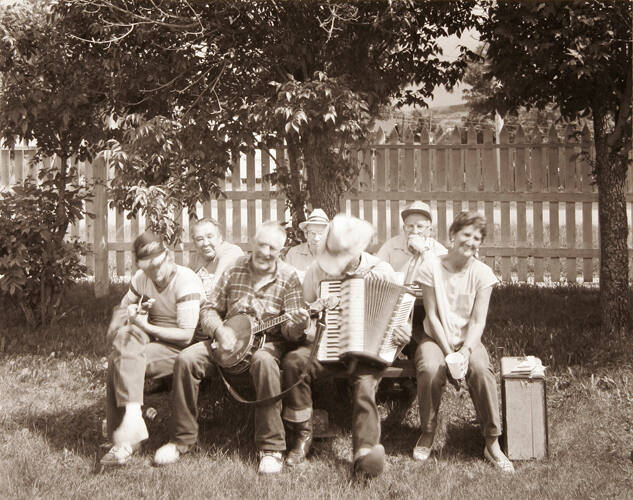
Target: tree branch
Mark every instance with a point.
(623, 114)
(105, 42)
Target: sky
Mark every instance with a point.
(450, 46)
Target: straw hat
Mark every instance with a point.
(316, 217)
(347, 237)
(417, 207)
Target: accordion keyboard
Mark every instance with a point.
(329, 345)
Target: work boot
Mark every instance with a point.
(369, 462)
(303, 442)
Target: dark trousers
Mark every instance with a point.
(365, 379)
(194, 364)
(482, 385)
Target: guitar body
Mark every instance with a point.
(239, 359)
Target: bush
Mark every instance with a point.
(37, 262)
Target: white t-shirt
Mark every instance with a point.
(178, 305)
(461, 289)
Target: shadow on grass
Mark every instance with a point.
(77, 430)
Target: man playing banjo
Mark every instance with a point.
(262, 286)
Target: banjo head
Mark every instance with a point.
(241, 325)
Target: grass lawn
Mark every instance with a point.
(52, 403)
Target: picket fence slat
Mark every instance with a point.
(366, 183)
(265, 186)
(382, 204)
(537, 194)
(439, 185)
(520, 184)
(490, 183)
(408, 175)
(250, 186)
(355, 204)
(394, 184)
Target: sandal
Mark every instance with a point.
(502, 464)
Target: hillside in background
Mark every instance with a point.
(437, 119)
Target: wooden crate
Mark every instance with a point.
(524, 413)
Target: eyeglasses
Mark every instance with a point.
(314, 234)
(419, 227)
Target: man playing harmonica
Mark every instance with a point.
(264, 287)
(343, 255)
(146, 339)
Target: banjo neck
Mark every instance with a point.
(314, 309)
(266, 325)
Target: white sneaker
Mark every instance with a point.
(270, 462)
(118, 455)
(167, 454)
(132, 428)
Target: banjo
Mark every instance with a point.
(251, 336)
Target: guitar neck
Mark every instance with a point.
(265, 325)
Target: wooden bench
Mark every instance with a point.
(401, 368)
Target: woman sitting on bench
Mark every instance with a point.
(456, 290)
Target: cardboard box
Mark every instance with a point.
(524, 412)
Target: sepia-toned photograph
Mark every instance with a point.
(329, 249)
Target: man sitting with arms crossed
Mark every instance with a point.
(213, 254)
(264, 287)
(407, 251)
(301, 256)
(343, 255)
(146, 345)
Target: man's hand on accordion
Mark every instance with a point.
(402, 335)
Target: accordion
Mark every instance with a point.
(363, 324)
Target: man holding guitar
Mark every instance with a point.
(154, 322)
(262, 287)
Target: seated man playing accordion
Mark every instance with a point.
(343, 255)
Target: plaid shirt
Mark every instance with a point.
(234, 293)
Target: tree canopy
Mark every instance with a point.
(577, 54)
(229, 76)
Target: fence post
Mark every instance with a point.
(100, 243)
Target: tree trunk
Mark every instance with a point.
(62, 216)
(295, 195)
(610, 171)
(325, 192)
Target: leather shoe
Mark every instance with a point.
(303, 442)
(370, 463)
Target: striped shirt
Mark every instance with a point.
(175, 306)
(235, 293)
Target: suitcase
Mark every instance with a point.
(524, 412)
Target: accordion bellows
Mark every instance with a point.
(362, 326)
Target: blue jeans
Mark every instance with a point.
(194, 364)
(365, 379)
